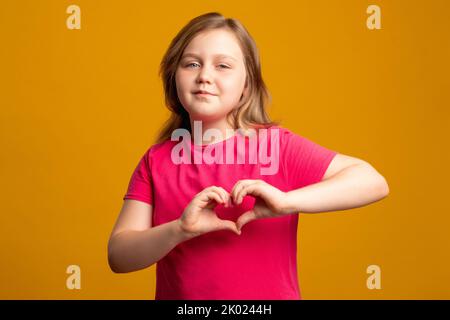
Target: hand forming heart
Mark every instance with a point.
(199, 217)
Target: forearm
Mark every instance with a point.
(133, 250)
(352, 187)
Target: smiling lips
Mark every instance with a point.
(203, 93)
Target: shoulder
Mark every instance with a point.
(291, 142)
(271, 131)
(282, 131)
(283, 134)
(158, 150)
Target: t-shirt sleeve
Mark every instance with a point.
(140, 186)
(305, 162)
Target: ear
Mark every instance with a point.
(245, 91)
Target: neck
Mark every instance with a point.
(199, 128)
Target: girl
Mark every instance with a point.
(189, 217)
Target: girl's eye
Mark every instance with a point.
(223, 66)
(190, 64)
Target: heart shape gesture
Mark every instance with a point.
(199, 216)
(270, 201)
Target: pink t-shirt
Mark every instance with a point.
(261, 263)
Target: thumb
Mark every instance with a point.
(230, 225)
(245, 218)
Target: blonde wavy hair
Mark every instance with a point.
(252, 111)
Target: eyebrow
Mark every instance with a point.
(220, 55)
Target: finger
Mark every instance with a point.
(206, 198)
(225, 196)
(237, 187)
(222, 193)
(240, 193)
(233, 190)
(248, 189)
(230, 225)
(245, 218)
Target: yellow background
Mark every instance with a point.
(80, 107)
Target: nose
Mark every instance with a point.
(204, 75)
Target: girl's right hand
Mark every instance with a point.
(199, 216)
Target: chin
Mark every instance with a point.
(205, 117)
(204, 111)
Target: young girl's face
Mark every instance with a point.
(213, 62)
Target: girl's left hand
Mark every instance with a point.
(270, 201)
